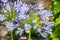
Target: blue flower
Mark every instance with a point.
(11, 2)
(0, 4)
(48, 14)
(47, 30)
(43, 34)
(46, 25)
(2, 17)
(20, 8)
(7, 6)
(38, 30)
(27, 26)
(45, 14)
(10, 26)
(40, 6)
(19, 31)
(4, 1)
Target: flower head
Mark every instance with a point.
(10, 26)
(8, 7)
(21, 8)
(19, 31)
(2, 17)
(46, 23)
(40, 6)
(27, 26)
(4, 1)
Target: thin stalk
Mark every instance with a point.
(11, 35)
(29, 35)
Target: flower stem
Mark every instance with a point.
(29, 35)
(11, 35)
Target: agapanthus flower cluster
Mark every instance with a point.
(10, 26)
(21, 9)
(46, 22)
(4, 2)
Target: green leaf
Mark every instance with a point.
(56, 7)
(57, 21)
(29, 20)
(9, 15)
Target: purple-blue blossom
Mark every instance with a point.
(4, 1)
(47, 30)
(38, 30)
(43, 34)
(46, 25)
(0, 4)
(20, 8)
(2, 17)
(7, 6)
(27, 26)
(19, 31)
(10, 26)
(40, 6)
(45, 14)
(48, 14)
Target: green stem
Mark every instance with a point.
(11, 35)
(29, 35)
(52, 6)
